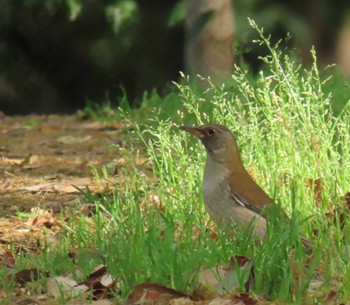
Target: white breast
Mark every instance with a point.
(216, 193)
(214, 176)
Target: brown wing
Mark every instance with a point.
(252, 197)
(248, 190)
(244, 203)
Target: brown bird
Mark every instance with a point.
(230, 194)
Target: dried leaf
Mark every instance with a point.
(347, 199)
(103, 127)
(224, 301)
(66, 186)
(88, 209)
(236, 278)
(27, 275)
(316, 186)
(246, 299)
(153, 294)
(73, 140)
(7, 259)
(101, 283)
(224, 280)
(64, 285)
(211, 279)
(239, 260)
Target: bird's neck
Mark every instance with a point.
(225, 167)
(214, 168)
(215, 176)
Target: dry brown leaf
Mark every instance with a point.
(27, 275)
(88, 209)
(95, 276)
(316, 186)
(10, 161)
(153, 203)
(347, 199)
(239, 260)
(224, 301)
(153, 294)
(7, 259)
(26, 161)
(43, 218)
(213, 235)
(100, 283)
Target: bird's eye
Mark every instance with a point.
(211, 131)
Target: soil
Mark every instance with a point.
(43, 157)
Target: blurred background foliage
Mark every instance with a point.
(55, 55)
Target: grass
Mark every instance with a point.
(152, 228)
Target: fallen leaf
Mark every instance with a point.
(10, 161)
(239, 260)
(67, 186)
(88, 209)
(64, 286)
(237, 277)
(27, 301)
(27, 275)
(332, 297)
(223, 279)
(213, 235)
(246, 299)
(100, 126)
(316, 186)
(43, 218)
(182, 301)
(100, 283)
(347, 199)
(99, 272)
(211, 279)
(103, 302)
(27, 160)
(7, 259)
(223, 301)
(153, 294)
(73, 140)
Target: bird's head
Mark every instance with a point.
(217, 140)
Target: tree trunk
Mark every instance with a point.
(343, 48)
(209, 39)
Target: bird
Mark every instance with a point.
(230, 194)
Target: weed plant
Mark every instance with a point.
(155, 228)
(291, 143)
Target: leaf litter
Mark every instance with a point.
(45, 163)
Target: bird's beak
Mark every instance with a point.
(193, 130)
